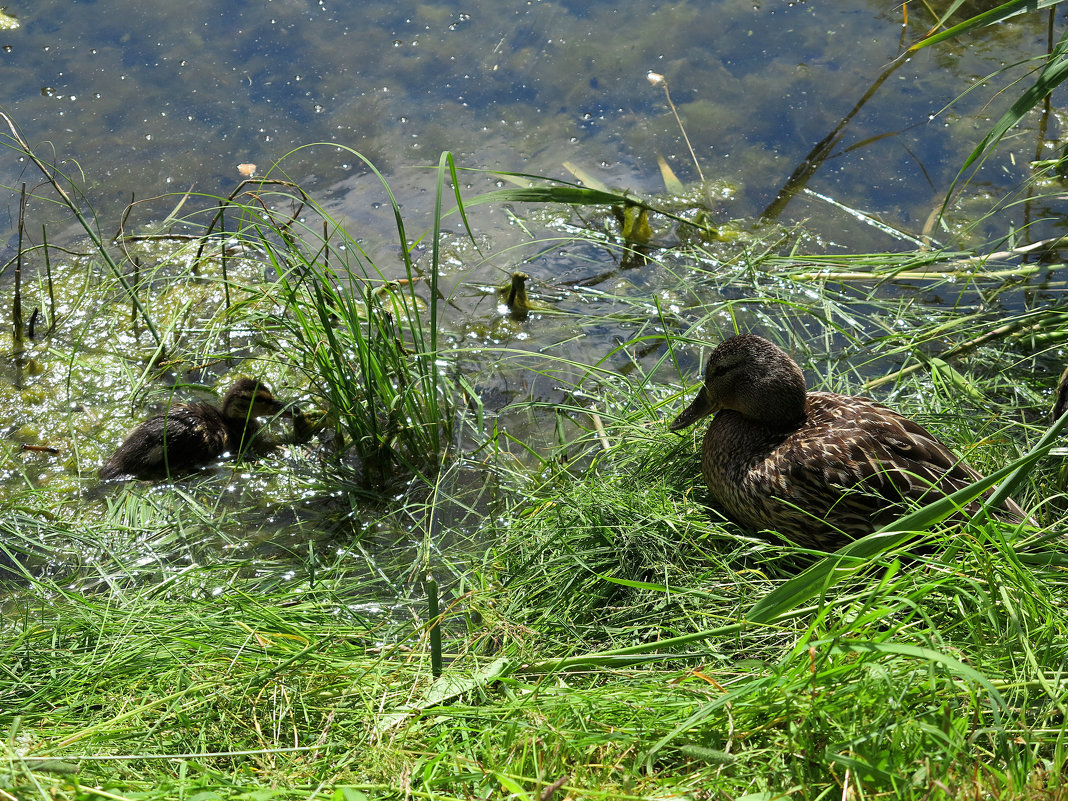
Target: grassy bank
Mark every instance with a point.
(265, 630)
(600, 641)
(930, 672)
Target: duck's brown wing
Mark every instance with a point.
(883, 454)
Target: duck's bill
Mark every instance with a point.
(287, 409)
(701, 407)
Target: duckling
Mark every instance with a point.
(817, 467)
(191, 434)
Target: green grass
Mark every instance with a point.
(932, 674)
(604, 632)
(369, 345)
(600, 640)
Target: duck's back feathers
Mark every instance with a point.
(844, 470)
(880, 449)
(186, 436)
(911, 463)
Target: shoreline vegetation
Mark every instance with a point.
(484, 568)
(600, 633)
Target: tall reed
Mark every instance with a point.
(368, 340)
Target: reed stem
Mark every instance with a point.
(48, 278)
(16, 308)
(435, 625)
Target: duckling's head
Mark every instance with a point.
(753, 377)
(248, 399)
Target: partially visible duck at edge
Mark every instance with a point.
(1060, 405)
(192, 434)
(817, 467)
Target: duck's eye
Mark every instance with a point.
(716, 370)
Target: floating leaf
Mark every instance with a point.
(585, 177)
(514, 295)
(635, 224)
(671, 181)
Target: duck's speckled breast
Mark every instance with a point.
(742, 466)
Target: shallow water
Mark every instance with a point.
(155, 98)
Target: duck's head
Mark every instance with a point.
(753, 377)
(248, 399)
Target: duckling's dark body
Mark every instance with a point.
(189, 435)
(817, 467)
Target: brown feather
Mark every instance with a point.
(188, 435)
(817, 467)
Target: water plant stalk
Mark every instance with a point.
(91, 231)
(435, 625)
(48, 279)
(656, 78)
(16, 306)
(222, 255)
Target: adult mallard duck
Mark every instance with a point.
(817, 467)
(192, 434)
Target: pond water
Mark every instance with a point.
(149, 99)
(145, 99)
